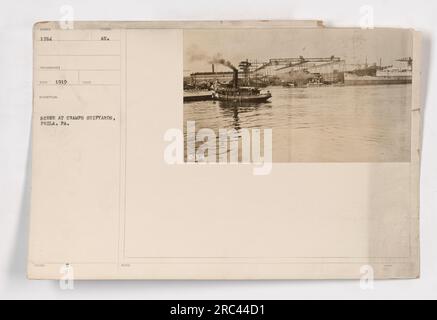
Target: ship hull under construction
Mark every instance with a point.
(355, 80)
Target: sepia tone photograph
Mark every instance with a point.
(196, 151)
(325, 95)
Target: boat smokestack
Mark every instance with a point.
(228, 64)
(235, 78)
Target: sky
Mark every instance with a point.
(235, 45)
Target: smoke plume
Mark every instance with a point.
(194, 53)
(218, 59)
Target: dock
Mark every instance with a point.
(197, 96)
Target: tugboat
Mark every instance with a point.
(235, 93)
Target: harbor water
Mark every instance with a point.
(321, 124)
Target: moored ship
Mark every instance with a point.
(385, 76)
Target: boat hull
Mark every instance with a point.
(354, 80)
(244, 99)
(196, 98)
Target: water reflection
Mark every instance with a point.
(235, 110)
(323, 124)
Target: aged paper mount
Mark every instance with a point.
(225, 150)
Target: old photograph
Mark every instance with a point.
(306, 95)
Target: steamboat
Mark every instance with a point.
(235, 93)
